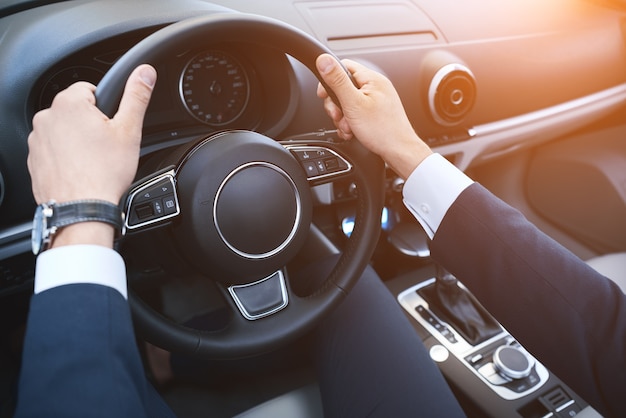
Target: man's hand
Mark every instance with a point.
(373, 113)
(76, 152)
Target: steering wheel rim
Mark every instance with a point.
(241, 337)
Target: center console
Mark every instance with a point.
(494, 376)
(500, 362)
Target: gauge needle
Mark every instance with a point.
(215, 88)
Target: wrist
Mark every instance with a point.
(405, 156)
(85, 233)
(76, 222)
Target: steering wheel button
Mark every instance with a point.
(159, 189)
(144, 196)
(169, 205)
(144, 211)
(303, 155)
(331, 164)
(319, 162)
(153, 201)
(311, 168)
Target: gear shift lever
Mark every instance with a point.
(456, 306)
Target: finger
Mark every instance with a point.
(87, 88)
(344, 129)
(332, 110)
(321, 91)
(136, 97)
(336, 115)
(335, 77)
(38, 120)
(365, 77)
(353, 66)
(32, 163)
(75, 93)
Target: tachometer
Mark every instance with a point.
(214, 88)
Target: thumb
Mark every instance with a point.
(136, 96)
(335, 78)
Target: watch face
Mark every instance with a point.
(37, 232)
(41, 235)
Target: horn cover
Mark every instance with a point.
(246, 206)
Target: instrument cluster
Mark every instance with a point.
(205, 89)
(215, 88)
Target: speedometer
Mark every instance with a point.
(214, 88)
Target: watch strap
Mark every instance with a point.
(68, 213)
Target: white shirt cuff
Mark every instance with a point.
(431, 189)
(75, 264)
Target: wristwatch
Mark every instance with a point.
(51, 216)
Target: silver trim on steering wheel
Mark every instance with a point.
(294, 227)
(152, 202)
(283, 296)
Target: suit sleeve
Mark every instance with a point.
(80, 357)
(567, 314)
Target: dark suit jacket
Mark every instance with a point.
(569, 316)
(80, 358)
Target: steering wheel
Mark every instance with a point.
(238, 204)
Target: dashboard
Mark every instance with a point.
(216, 86)
(479, 79)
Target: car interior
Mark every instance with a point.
(525, 96)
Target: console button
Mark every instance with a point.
(441, 328)
(571, 410)
(489, 372)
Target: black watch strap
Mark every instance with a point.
(69, 213)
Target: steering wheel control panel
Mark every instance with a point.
(152, 202)
(319, 162)
(500, 361)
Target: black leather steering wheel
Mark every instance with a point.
(238, 204)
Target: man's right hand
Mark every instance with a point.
(372, 112)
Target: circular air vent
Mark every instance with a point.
(451, 94)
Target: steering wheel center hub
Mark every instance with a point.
(257, 210)
(248, 204)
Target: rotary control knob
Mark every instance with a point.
(512, 363)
